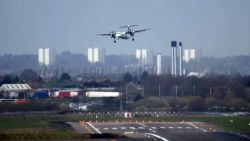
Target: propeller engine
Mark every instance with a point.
(112, 34)
(130, 31)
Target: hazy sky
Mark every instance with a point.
(217, 27)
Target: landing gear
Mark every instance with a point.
(133, 38)
(114, 41)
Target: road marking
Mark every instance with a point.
(106, 128)
(179, 127)
(114, 128)
(197, 127)
(99, 132)
(162, 127)
(188, 127)
(157, 136)
(170, 127)
(123, 128)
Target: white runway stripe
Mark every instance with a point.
(99, 132)
(197, 127)
(157, 136)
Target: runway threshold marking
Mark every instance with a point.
(197, 127)
(157, 136)
(141, 124)
(98, 131)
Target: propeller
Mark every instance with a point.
(128, 26)
(112, 34)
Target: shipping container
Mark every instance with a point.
(102, 94)
(21, 101)
(42, 94)
(65, 93)
(72, 94)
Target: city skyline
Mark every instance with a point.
(217, 28)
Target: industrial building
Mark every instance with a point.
(46, 56)
(175, 58)
(96, 55)
(190, 54)
(144, 56)
(15, 91)
(158, 64)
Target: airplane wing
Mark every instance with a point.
(106, 34)
(141, 30)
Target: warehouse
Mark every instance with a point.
(19, 91)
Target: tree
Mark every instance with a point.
(198, 104)
(28, 75)
(127, 77)
(235, 102)
(151, 103)
(137, 97)
(6, 79)
(65, 77)
(144, 76)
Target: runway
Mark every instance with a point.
(161, 131)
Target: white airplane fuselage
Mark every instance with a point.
(122, 35)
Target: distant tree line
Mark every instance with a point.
(212, 92)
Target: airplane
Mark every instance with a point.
(123, 35)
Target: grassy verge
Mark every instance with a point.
(35, 127)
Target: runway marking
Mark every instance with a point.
(153, 127)
(128, 132)
(179, 127)
(170, 127)
(141, 127)
(197, 127)
(99, 132)
(133, 128)
(123, 128)
(188, 127)
(114, 128)
(106, 128)
(162, 127)
(141, 124)
(157, 136)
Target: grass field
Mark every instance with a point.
(54, 127)
(35, 127)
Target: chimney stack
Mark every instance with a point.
(174, 58)
(180, 57)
